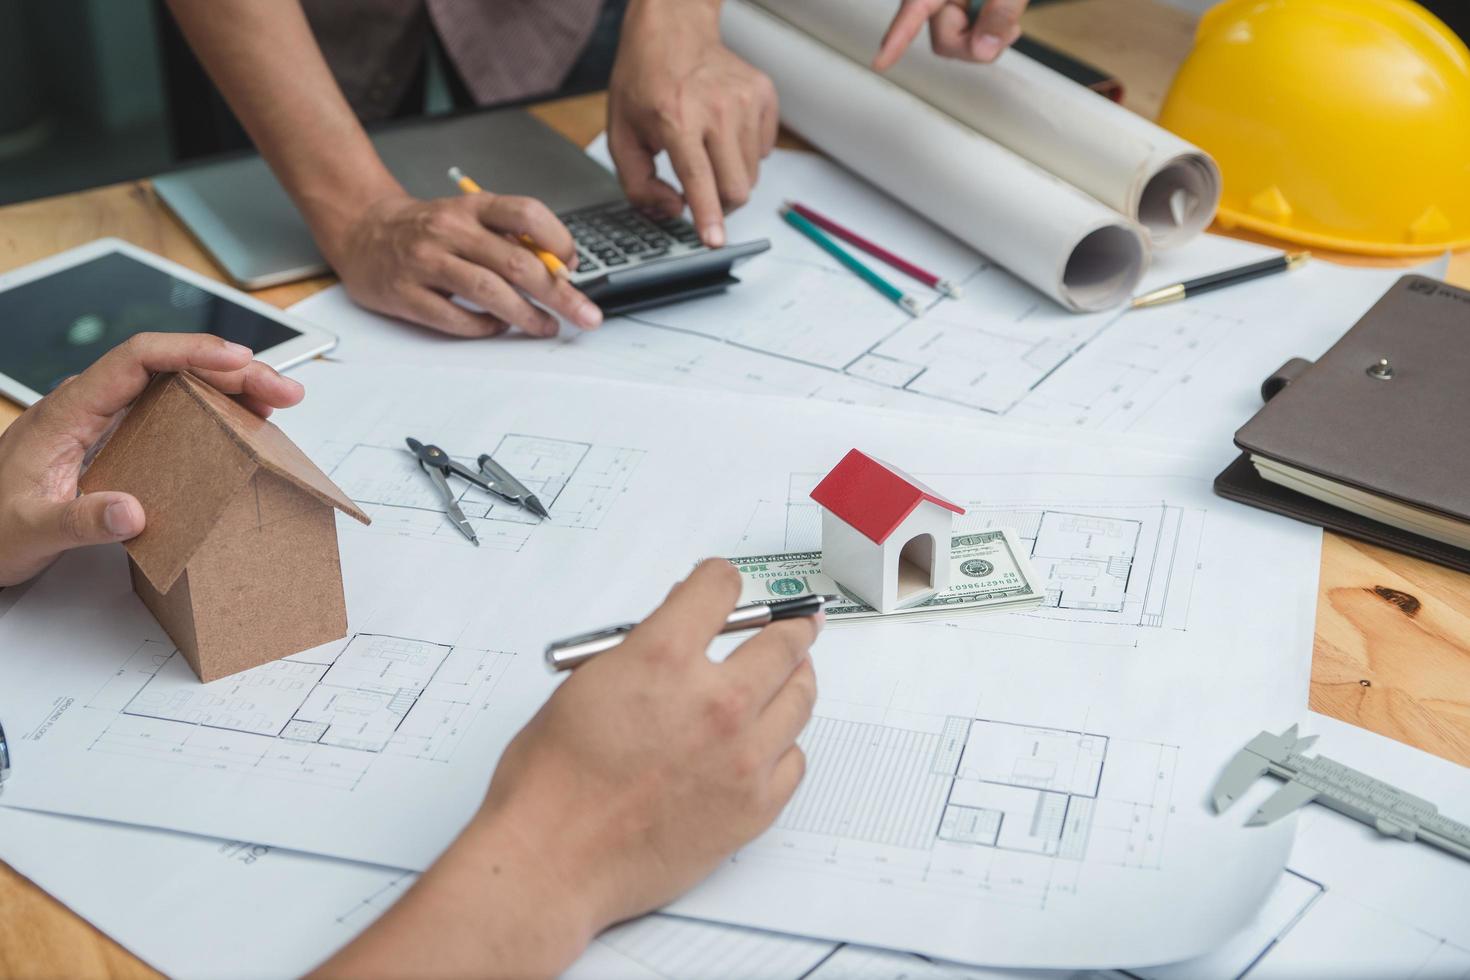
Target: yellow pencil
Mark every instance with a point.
(554, 265)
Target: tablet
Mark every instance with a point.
(60, 314)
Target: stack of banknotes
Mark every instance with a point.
(988, 572)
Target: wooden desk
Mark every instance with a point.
(1393, 634)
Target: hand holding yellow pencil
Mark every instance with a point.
(554, 265)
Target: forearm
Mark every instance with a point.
(491, 906)
(264, 59)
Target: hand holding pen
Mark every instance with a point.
(642, 772)
(412, 258)
(568, 653)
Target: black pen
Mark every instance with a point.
(1219, 280)
(568, 653)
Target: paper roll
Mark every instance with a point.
(1063, 242)
(1169, 186)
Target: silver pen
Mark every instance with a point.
(568, 653)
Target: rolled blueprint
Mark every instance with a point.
(1130, 164)
(1065, 243)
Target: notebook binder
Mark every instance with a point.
(1386, 410)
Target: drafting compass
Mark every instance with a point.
(1389, 810)
(492, 478)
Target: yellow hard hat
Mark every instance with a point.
(1341, 124)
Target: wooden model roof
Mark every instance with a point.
(184, 450)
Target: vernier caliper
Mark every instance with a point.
(1391, 811)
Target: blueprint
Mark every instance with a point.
(1350, 903)
(801, 325)
(971, 781)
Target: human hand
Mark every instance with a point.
(651, 764)
(675, 87)
(951, 34)
(407, 257)
(41, 453)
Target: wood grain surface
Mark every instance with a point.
(1392, 651)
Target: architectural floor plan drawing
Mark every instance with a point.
(1116, 563)
(949, 806)
(1102, 562)
(576, 481)
(320, 717)
(997, 351)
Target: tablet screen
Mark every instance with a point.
(56, 326)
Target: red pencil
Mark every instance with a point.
(877, 251)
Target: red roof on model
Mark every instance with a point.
(872, 496)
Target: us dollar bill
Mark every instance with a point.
(988, 571)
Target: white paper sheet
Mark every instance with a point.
(1065, 243)
(1143, 662)
(1350, 904)
(800, 325)
(1125, 161)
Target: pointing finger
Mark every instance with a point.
(901, 33)
(696, 174)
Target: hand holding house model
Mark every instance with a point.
(239, 559)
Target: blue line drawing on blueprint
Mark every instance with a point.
(971, 804)
(578, 482)
(1110, 563)
(322, 716)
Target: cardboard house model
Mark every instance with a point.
(885, 536)
(239, 559)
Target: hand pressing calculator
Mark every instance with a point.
(628, 260)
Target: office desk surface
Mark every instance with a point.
(1392, 651)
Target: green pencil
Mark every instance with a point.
(906, 303)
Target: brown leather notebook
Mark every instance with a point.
(1382, 420)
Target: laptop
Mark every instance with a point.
(626, 260)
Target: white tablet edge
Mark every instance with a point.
(311, 340)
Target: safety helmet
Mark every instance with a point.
(1340, 124)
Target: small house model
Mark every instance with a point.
(238, 561)
(885, 536)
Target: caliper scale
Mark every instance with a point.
(1389, 810)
